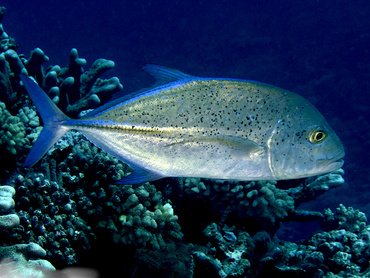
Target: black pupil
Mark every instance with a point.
(319, 136)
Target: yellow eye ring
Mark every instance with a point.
(317, 136)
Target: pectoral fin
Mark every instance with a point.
(238, 146)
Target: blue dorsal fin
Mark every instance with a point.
(163, 74)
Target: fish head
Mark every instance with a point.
(303, 145)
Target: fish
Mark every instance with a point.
(189, 126)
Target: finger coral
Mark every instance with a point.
(72, 88)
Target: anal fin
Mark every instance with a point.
(140, 175)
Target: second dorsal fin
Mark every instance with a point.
(163, 74)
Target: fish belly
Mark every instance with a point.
(168, 158)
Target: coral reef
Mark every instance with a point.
(6, 42)
(248, 199)
(7, 203)
(145, 219)
(51, 201)
(49, 218)
(53, 204)
(229, 253)
(22, 259)
(71, 88)
(312, 187)
(266, 202)
(342, 251)
(17, 133)
(74, 89)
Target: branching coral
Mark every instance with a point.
(7, 93)
(72, 88)
(264, 200)
(75, 90)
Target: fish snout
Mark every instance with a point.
(332, 162)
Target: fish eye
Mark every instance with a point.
(317, 136)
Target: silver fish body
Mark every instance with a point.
(212, 128)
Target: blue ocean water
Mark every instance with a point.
(316, 48)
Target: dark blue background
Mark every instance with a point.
(316, 48)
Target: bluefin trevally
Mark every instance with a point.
(191, 126)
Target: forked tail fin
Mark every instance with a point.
(52, 117)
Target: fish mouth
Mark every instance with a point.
(332, 163)
(336, 164)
